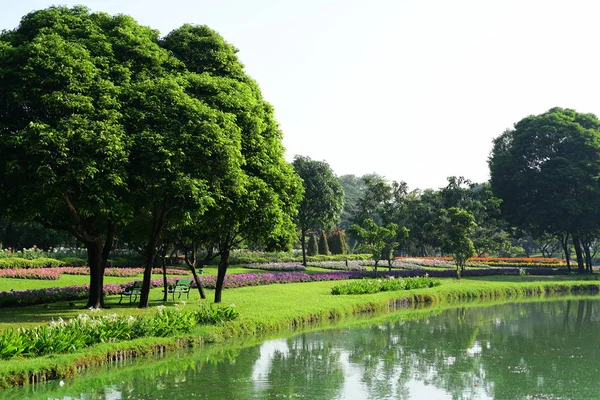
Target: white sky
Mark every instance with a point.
(414, 90)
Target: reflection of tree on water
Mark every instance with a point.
(507, 351)
(540, 349)
(309, 366)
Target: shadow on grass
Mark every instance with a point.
(30, 316)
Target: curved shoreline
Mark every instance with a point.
(20, 372)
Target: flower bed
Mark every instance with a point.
(340, 265)
(42, 296)
(38, 273)
(54, 273)
(286, 266)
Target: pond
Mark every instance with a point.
(531, 350)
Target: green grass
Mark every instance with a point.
(271, 309)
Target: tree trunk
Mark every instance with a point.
(149, 264)
(163, 265)
(96, 290)
(223, 264)
(578, 253)
(191, 263)
(303, 242)
(588, 257)
(151, 250)
(564, 242)
(198, 283)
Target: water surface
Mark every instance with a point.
(534, 350)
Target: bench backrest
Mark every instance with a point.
(183, 283)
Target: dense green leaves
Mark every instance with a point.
(547, 170)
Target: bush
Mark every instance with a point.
(45, 263)
(14, 263)
(312, 248)
(323, 245)
(66, 336)
(73, 262)
(367, 286)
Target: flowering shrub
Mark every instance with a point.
(339, 265)
(366, 286)
(54, 273)
(76, 333)
(65, 293)
(40, 273)
(442, 262)
(287, 266)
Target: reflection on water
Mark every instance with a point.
(539, 350)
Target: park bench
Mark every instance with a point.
(181, 286)
(132, 291)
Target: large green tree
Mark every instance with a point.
(63, 148)
(547, 172)
(323, 197)
(257, 202)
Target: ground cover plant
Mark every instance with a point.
(55, 273)
(367, 286)
(272, 266)
(63, 336)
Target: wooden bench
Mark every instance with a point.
(181, 286)
(132, 291)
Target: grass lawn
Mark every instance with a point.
(255, 303)
(271, 310)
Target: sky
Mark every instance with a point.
(413, 90)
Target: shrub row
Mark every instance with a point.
(67, 336)
(55, 273)
(16, 262)
(366, 286)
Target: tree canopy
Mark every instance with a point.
(105, 125)
(546, 171)
(323, 197)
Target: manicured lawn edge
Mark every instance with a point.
(29, 371)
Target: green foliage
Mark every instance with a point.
(455, 227)
(15, 263)
(323, 245)
(323, 194)
(380, 241)
(73, 262)
(68, 336)
(213, 315)
(547, 172)
(337, 242)
(313, 245)
(368, 286)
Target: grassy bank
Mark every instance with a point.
(265, 310)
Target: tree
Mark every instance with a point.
(547, 171)
(313, 245)
(323, 245)
(257, 202)
(455, 230)
(337, 241)
(63, 148)
(379, 241)
(323, 198)
(184, 153)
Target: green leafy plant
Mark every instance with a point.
(367, 286)
(62, 336)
